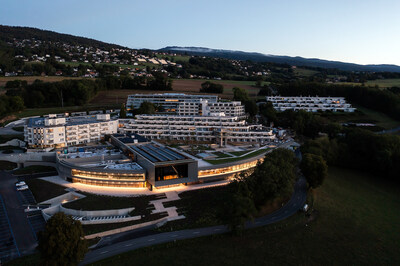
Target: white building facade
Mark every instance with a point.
(310, 104)
(169, 101)
(211, 128)
(60, 132)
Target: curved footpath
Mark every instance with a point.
(294, 204)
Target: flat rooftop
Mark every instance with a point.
(158, 153)
(130, 138)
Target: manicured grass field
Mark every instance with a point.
(357, 224)
(363, 115)
(5, 138)
(6, 165)
(95, 202)
(238, 153)
(43, 190)
(234, 159)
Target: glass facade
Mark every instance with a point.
(228, 169)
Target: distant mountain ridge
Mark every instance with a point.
(296, 61)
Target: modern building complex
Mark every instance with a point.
(169, 101)
(310, 104)
(187, 104)
(133, 161)
(53, 131)
(195, 119)
(212, 127)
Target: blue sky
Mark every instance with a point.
(359, 31)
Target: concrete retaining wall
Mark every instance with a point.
(126, 228)
(67, 197)
(58, 208)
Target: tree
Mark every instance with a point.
(240, 207)
(146, 108)
(314, 168)
(62, 242)
(240, 94)
(211, 87)
(122, 112)
(274, 177)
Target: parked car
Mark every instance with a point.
(24, 187)
(22, 183)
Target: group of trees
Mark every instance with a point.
(250, 105)
(360, 149)
(271, 179)
(72, 92)
(211, 87)
(62, 242)
(10, 104)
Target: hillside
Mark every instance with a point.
(297, 61)
(9, 33)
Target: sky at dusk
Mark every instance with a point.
(357, 31)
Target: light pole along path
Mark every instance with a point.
(295, 203)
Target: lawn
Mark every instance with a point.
(34, 169)
(93, 202)
(238, 153)
(43, 190)
(6, 165)
(5, 138)
(363, 115)
(357, 224)
(19, 129)
(221, 154)
(234, 159)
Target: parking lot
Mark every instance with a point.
(8, 247)
(17, 236)
(36, 221)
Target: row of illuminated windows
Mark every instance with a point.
(108, 176)
(110, 183)
(229, 169)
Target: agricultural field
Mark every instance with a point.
(363, 115)
(384, 83)
(355, 224)
(176, 58)
(305, 72)
(381, 83)
(31, 79)
(191, 86)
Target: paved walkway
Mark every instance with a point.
(159, 206)
(295, 203)
(128, 192)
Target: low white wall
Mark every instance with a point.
(111, 221)
(68, 196)
(58, 208)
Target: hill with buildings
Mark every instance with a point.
(297, 61)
